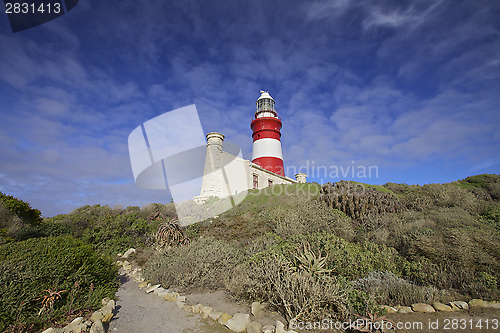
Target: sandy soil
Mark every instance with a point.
(138, 312)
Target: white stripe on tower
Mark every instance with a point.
(266, 135)
(267, 148)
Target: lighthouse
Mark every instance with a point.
(266, 127)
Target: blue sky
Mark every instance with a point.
(411, 87)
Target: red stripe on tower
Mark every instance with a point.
(266, 136)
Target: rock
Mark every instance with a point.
(268, 329)
(126, 266)
(152, 288)
(105, 300)
(389, 309)
(139, 279)
(164, 295)
(460, 304)
(256, 308)
(77, 325)
(180, 301)
(215, 315)
(107, 318)
(52, 330)
(476, 303)
(441, 307)
(486, 304)
(97, 327)
(453, 306)
(405, 309)
(422, 307)
(239, 322)
(96, 316)
(197, 308)
(108, 308)
(159, 290)
(143, 285)
(280, 327)
(223, 319)
(128, 252)
(494, 305)
(171, 297)
(254, 327)
(119, 263)
(205, 311)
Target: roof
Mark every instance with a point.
(264, 94)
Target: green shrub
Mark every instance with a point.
(359, 201)
(387, 288)
(20, 208)
(296, 295)
(205, 263)
(484, 186)
(421, 198)
(31, 267)
(298, 217)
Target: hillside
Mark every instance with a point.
(336, 249)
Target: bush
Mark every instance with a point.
(296, 295)
(421, 198)
(300, 217)
(30, 268)
(205, 263)
(20, 208)
(389, 289)
(109, 230)
(358, 200)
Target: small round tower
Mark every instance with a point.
(266, 127)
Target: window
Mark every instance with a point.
(255, 181)
(269, 182)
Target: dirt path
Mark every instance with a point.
(138, 312)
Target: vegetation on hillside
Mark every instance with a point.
(310, 251)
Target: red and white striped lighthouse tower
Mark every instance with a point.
(266, 135)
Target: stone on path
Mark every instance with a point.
(205, 311)
(268, 329)
(422, 307)
(223, 319)
(77, 325)
(389, 309)
(441, 307)
(460, 304)
(280, 327)
(494, 305)
(126, 266)
(239, 322)
(215, 315)
(197, 308)
(254, 327)
(152, 288)
(128, 252)
(476, 303)
(405, 309)
(97, 327)
(256, 308)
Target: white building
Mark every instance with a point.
(226, 174)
